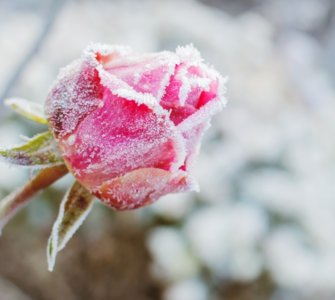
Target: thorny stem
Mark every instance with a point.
(10, 205)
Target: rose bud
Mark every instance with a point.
(129, 125)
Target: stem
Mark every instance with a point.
(16, 200)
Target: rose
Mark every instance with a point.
(129, 125)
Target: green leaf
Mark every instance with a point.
(40, 150)
(74, 209)
(16, 200)
(28, 109)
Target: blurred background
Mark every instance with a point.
(263, 225)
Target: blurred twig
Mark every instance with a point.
(49, 20)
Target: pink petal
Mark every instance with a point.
(189, 89)
(76, 93)
(141, 187)
(171, 97)
(145, 73)
(209, 95)
(192, 139)
(192, 86)
(119, 137)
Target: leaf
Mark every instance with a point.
(74, 209)
(40, 150)
(11, 204)
(30, 110)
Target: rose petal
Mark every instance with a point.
(145, 73)
(192, 85)
(141, 187)
(119, 137)
(192, 141)
(76, 93)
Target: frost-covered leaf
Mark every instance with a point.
(28, 109)
(11, 204)
(40, 150)
(74, 209)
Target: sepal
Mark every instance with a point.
(41, 150)
(31, 110)
(74, 209)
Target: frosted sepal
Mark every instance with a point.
(41, 150)
(31, 110)
(74, 209)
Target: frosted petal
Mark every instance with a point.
(122, 89)
(76, 93)
(141, 187)
(145, 73)
(206, 111)
(104, 53)
(119, 137)
(192, 86)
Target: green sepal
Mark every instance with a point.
(31, 110)
(41, 150)
(74, 209)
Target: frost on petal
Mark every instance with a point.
(104, 53)
(192, 86)
(188, 90)
(145, 73)
(193, 128)
(204, 113)
(119, 137)
(192, 139)
(76, 93)
(141, 187)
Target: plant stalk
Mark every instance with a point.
(16, 200)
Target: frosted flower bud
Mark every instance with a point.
(129, 125)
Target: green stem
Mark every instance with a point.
(11, 204)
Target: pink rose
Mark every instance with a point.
(129, 125)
